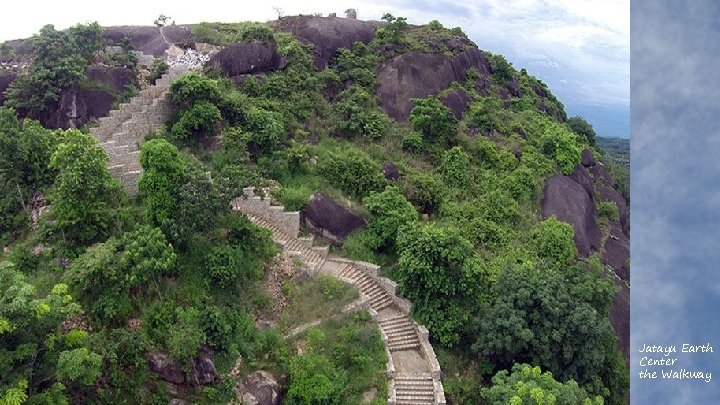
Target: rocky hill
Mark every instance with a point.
(479, 233)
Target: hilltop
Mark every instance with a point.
(217, 200)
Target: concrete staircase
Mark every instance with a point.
(413, 389)
(122, 131)
(412, 366)
(379, 299)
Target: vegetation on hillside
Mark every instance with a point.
(174, 271)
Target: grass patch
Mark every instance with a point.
(316, 298)
(352, 344)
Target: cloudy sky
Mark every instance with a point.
(580, 48)
(675, 193)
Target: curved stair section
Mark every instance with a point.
(412, 366)
(122, 131)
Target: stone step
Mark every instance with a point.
(414, 377)
(379, 305)
(400, 324)
(125, 159)
(414, 399)
(394, 320)
(404, 342)
(307, 240)
(415, 385)
(408, 331)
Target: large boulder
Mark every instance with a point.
(115, 78)
(617, 252)
(167, 369)
(418, 75)
(330, 219)
(150, 40)
(327, 34)
(569, 202)
(5, 82)
(247, 57)
(581, 176)
(259, 388)
(77, 106)
(586, 158)
(203, 367)
(458, 101)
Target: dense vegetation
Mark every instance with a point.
(501, 291)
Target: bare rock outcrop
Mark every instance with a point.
(248, 57)
(167, 369)
(570, 202)
(259, 388)
(458, 101)
(330, 219)
(418, 75)
(150, 40)
(327, 34)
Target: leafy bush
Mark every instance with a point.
(413, 142)
(454, 167)
(426, 191)
(609, 210)
(158, 68)
(162, 173)
(583, 128)
(529, 384)
(193, 88)
(560, 144)
(432, 274)
(201, 118)
(358, 114)
(314, 379)
(295, 198)
(553, 240)
(353, 172)
(486, 114)
(266, 130)
(185, 335)
(430, 117)
(389, 211)
(85, 195)
(79, 365)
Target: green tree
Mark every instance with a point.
(583, 128)
(426, 191)
(430, 117)
(186, 336)
(59, 60)
(353, 172)
(357, 113)
(555, 318)
(389, 212)
(85, 195)
(162, 175)
(201, 118)
(433, 275)
(192, 88)
(147, 255)
(553, 241)
(315, 380)
(529, 385)
(80, 365)
(454, 168)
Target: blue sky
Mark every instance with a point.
(675, 191)
(580, 48)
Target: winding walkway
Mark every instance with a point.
(412, 367)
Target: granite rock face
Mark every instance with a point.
(327, 34)
(150, 40)
(248, 57)
(259, 388)
(330, 219)
(570, 202)
(419, 75)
